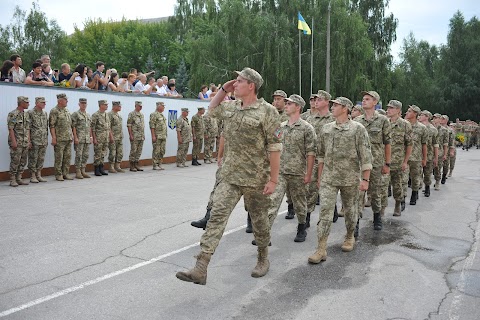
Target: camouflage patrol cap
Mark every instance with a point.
(295, 98)
(373, 94)
(160, 103)
(62, 96)
(381, 111)
(251, 75)
(116, 103)
(22, 99)
(138, 103)
(437, 115)
(39, 99)
(427, 113)
(323, 94)
(102, 102)
(394, 104)
(344, 102)
(82, 100)
(444, 116)
(415, 109)
(200, 108)
(359, 108)
(185, 110)
(280, 93)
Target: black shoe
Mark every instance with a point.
(202, 223)
(102, 172)
(402, 205)
(357, 229)
(413, 198)
(301, 233)
(427, 191)
(291, 212)
(318, 200)
(444, 178)
(249, 228)
(198, 163)
(409, 182)
(194, 162)
(307, 224)
(389, 191)
(335, 214)
(255, 243)
(97, 171)
(377, 221)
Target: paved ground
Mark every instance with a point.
(109, 248)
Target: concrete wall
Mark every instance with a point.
(8, 102)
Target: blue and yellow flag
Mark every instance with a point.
(302, 25)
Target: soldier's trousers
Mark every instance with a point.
(182, 152)
(100, 151)
(225, 199)
(218, 178)
(414, 171)
(427, 173)
(136, 150)
(385, 185)
(158, 151)
(437, 171)
(63, 156)
(453, 159)
(446, 163)
(197, 147)
(115, 151)
(298, 193)
(397, 180)
(374, 189)
(81, 154)
(36, 157)
(208, 148)
(328, 199)
(18, 159)
(312, 190)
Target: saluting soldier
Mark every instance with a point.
(60, 123)
(82, 137)
(136, 132)
(184, 137)
(115, 148)
(102, 135)
(39, 138)
(19, 140)
(198, 132)
(158, 129)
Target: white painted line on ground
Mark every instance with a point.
(107, 276)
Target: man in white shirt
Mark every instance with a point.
(17, 72)
(140, 86)
(160, 88)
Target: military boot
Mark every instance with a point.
(382, 211)
(202, 223)
(450, 171)
(321, 252)
(349, 242)
(402, 204)
(427, 191)
(39, 176)
(357, 229)
(59, 178)
(291, 212)
(335, 214)
(33, 177)
(301, 233)
(67, 177)
(436, 186)
(307, 223)
(389, 191)
(377, 221)
(13, 181)
(97, 171)
(444, 178)
(20, 181)
(194, 162)
(263, 264)
(118, 169)
(198, 274)
(249, 228)
(137, 166)
(397, 212)
(78, 174)
(102, 171)
(111, 168)
(132, 166)
(155, 167)
(413, 198)
(84, 174)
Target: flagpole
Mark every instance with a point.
(300, 61)
(327, 71)
(311, 64)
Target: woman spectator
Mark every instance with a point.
(46, 68)
(214, 92)
(112, 83)
(6, 71)
(123, 82)
(37, 77)
(202, 95)
(130, 80)
(81, 79)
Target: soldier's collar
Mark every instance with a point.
(343, 126)
(254, 105)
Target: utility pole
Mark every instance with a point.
(327, 71)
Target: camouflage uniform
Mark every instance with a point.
(116, 147)
(183, 126)
(59, 118)
(420, 135)
(451, 138)
(211, 132)
(136, 121)
(443, 141)
(198, 130)
(282, 116)
(402, 137)
(39, 139)
(431, 145)
(19, 122)
(158, 123)
(250, 133)
(101, 129)
(219, 132)
(82, 122)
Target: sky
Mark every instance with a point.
(427, 19)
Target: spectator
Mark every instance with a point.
(81, 79)
(214, 92)
(65, 74)
(123, 82)
(202, 95)
(210, 90)
(133, 71)
(112, 83)
(151, 85)
(37, 77)
(92, 81)
(46, 59)
(161, 91)
(172, 92)
(6, 71)
(140, 86)
(102, 79)
(17, 72)
(130, 80)
(165, 83)
(48, 72)
(174, 81)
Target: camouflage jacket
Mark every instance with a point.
(101, 126)
(420, 135)
(38, 127)
(60, 119)
(282, 116)
(211, 126)
(198, 126)
(116, 123)
(379, 132)
(136, 121)
(431, 141)
(442, 139)
(402, 137)
(82, 122)
(185, 129)
(158, 123)
(19, 121)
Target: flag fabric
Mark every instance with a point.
(302, 25)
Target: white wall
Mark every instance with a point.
(8, 102)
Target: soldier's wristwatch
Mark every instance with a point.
(387, 164)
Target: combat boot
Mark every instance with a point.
(397, 212)
(155, 167)
(291, 212)
(194, 162)
(357, 229)
(78, 174)
(413, 198)
(444, 178)
(349, 242)
(307, 223)
(198, 163)
(321, 252)
(202, 223)
(184, 165)
(427, 191)
(67, 177)
(59, 178)
(382, 211)
(335, 214)
(301, 233)
(132, 166)
(160, 167)
(263, 264)
(198, 274)
(20, 181)
(111, 168)
(402, 204)
(137, 166)
(377, 221)
(118, 168)
(39, 176)
(33, 177)
(436, 186)
(450, 171)
(13, 181)
(102, 172)
(97, 171)
(249, 228)
(84, 174)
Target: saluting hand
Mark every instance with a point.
(228, 86)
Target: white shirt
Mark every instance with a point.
(85, 80)
(18, 77)
(139, 87)
(161, 91)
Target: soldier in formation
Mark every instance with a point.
(39, 139)
(158, 129)
(60, 123)
(102, 136)
(136, 132)
(82, 138)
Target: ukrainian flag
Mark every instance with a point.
(302, 25)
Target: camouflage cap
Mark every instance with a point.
(279, 93)
(185, 110)
(437, 115)
(295, 98)
(62, 96)
(444, 116)
(415, 109)
(427, 113)
(344, 102)
(82, 100)
(323, 94)
(251, 75)
(394, 104)
(39, 99)
(160, 103)
(116, 103)
(138, 103)
(381, 111)
(373, 94)
(358, 107)
(22, 99)
(102, 102)
(200, 108)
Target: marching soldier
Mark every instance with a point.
(432, 150)
(158, 129)
(136, 132)
(115, 148)
(39, 138)
(82, 137)
(102, 135)
(60, 123)
(443, 142)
